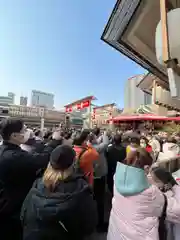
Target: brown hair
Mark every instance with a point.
(52, 177)
(139, 158)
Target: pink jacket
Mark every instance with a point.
(173, 212)
(136, 217)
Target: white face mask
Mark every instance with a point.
(143, 145)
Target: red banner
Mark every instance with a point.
(86, 104)
(79, 106)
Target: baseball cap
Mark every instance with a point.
(62, 157)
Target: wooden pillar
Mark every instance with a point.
(164, 26)
(154, 92)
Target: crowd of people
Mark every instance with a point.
(53, 184)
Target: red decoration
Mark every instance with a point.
(86, 104)
(68, 109)
(79, 106)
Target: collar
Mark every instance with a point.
(11, 145)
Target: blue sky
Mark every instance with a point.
(55, 46)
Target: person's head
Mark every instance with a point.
(81, 138)
(177, 137)
(67, 135)
(139, 158)
(149, 137)
(92, 138)
(171, 140)
(125, 140)
(14, 131)
(60, 167)
(164, 136)
(117, 139)
(47, 135)
(135, 141)
(96, 131)
(162, 178)
(31, 133)
(143, 142)
(38, 133)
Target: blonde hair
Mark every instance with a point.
(52, 176)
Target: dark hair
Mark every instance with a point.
(9, 126)
(135, 140)
(96, 131)
(145, 139)
(125, 139)
(138, 132)
(171, 140)
(37, 132)
(67, 135)
(164, 176)
(139, 158)
(91, 137)
(80, 138)
(48, 135)
(117, 139)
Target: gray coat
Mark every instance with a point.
(100, 166)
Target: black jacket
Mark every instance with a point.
(18, 171)
(65, 214)
(114, 154)
(36, 145)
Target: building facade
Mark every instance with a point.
(33, 115)
(10, 99)
(23, 101)
(42, 99)
(102, 115)
(134, 96)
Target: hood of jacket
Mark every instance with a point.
(48, 205)
(130, 180)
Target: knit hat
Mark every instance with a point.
(62, 157)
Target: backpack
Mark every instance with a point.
(78, 160)
(162, 225)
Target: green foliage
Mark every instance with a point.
(170, 127)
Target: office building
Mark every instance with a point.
(10, 99)
(134, 96)
(42, 99)
(23, 101)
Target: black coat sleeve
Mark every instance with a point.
(33, 162)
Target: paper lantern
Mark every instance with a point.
(173, 18)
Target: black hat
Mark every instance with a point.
(62, 157)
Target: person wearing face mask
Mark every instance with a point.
(144, 144)
(18, 170)
(137, 205)
(155, 144)
(38, 136)
(29, 140)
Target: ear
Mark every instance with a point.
(146, 169)
(13, 135)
